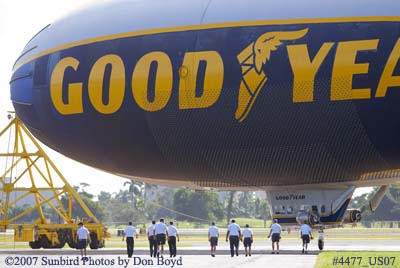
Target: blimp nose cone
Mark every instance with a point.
(28, 80)
(21, 87)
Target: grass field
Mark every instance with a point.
(254, 223)
(358, 259)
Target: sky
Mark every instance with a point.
(20, 20)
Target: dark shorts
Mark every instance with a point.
(82, 243)
(276, 237)
(306, 239)
(161, 239)
(214, 241)
(247, 242)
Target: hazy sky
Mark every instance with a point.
(20, 20)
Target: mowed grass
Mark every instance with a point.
(254, 223)
(358, 259)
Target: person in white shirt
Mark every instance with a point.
(275, 231)
(305, 233)
(82, 237)
(152, 240)
(130, 232)
(161, 235)
(234, 234)
(247, 239)
(213, 234)
(172, 236)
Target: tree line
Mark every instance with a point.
(143, 202)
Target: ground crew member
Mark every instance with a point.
(305, 232)
(247, 239)
(234, 234)
(213, 234)
(152, 240)
(83, 237)
(172, 236)
(275, 231)
(161, 235)
(130, 232)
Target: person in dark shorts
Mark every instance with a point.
(83, 238)
(161, 235)
(275, 231)
(213, 234)
(306, 235)
(247, 239)
(152, 240)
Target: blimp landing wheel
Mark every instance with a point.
(321, 244)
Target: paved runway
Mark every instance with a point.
(198, 255)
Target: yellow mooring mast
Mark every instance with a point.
(29, 174)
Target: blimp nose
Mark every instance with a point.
(21, 87)
(27, 82)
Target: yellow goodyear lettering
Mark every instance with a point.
(163, 81)
(116, 85)
(305, 69)
(213, 80)
(74, 104)
(344, 68)
(387, 79)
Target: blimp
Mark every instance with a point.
(297, 98)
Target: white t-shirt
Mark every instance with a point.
(172, 231)
(247, 232)
(305, 229)
(150, 230)
(213, 230)
(160, 228)
(82, 233)
(234, 229)
(130, 231)
(276, 228)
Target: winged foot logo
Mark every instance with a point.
(252, 59)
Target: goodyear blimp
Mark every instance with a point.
(300, 98)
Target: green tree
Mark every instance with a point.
(104, 197)
(200, 204)
(230, 206)
(95, 207)
(136, 191)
